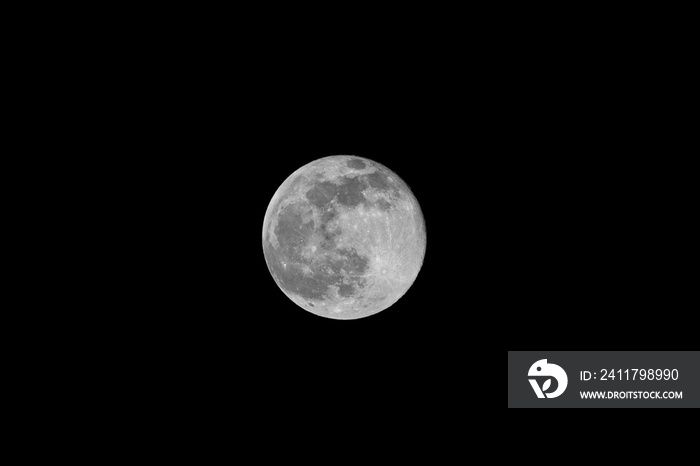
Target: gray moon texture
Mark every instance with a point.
(344, 237)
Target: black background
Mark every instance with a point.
(550, 167)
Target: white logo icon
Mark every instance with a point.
(542, 369)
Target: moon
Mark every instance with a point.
(344, 237)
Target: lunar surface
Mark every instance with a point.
(344, 237)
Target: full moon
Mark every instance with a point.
(344, 237)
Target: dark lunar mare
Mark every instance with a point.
(291, 231)
(353, 266)
(293, 279)
(343, 269)
(357, 164)
(378, 180)
(326, 273)
(348, 192)
(383, 204)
